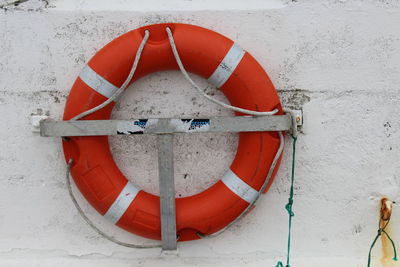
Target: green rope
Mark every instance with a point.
(380, 231)
(289, 206)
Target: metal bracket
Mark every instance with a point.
(165, 128)
(165, 144)
(36, 121)
(298, 116)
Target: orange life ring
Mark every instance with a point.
(203, 52)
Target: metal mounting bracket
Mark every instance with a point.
(165, 128)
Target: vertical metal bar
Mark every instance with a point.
(167, 190)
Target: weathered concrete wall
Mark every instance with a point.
(337, 60)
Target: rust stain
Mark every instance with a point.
(387, 250)
(386, 208)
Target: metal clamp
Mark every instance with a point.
(165, 128)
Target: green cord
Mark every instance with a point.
(289, 209)
(380, 231)
(289, 206)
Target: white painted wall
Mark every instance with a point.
(338, 60)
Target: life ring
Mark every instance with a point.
(206, 53)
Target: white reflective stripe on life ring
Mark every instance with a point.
(122, 203)
(96, 82)
(227, 66)
(240, 188)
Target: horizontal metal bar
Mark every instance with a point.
(165, 126)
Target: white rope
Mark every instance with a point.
(130, 245)
(123, 86)
(267, 179)
(246, 111)
(88, 112)
(90, 223)
(186, 75)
